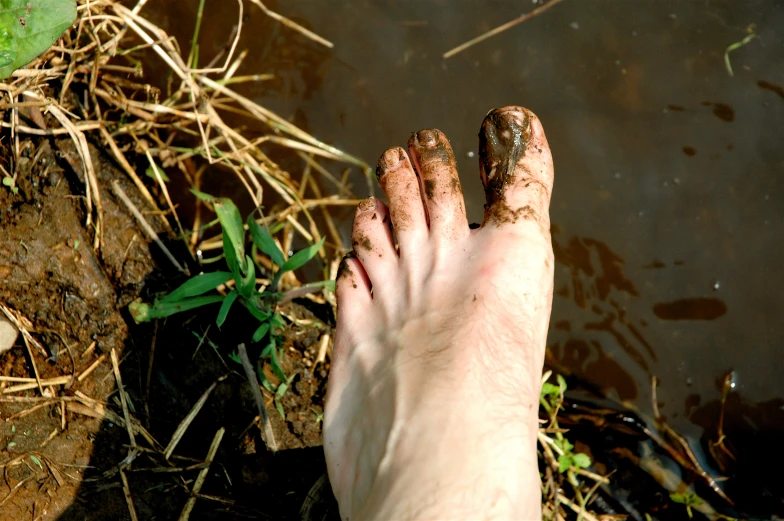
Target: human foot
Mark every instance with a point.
(433, 394)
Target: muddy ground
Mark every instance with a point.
(60, 454)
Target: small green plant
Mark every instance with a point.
(551, 399)
(262, 305)
(10, 182)
(688, 499)
(28, 28)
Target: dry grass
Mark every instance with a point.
(105, 53)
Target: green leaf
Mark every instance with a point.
(224, 309)
(35, 460)
(30, 27)
(229, 217)
(301, 257)
(264, 241)
(581, 460)
(235, 357)
(561, 383)
(276, 368)
(150, 172)
(198, 285)
(246, 285)
(564, 445)
(8, 181)
(564, 463)
(261, 331)
(142, 312)
(549, 389)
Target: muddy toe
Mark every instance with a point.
(516, 168)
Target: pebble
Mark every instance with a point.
(8, 334)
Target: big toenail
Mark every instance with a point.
(503, 140)
(391, 158)
(427, 138)
(367, 205)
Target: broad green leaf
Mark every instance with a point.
(264, 241)
(197, 285)
(564, 462)
(224, 309)
(301, 257)
(30, 27)
(261, 331)
(549, 389)
(142, 312)
(581, 460)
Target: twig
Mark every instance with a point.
(118, 191)
(128, 497)
(186, 511)
(186, 422)
(123, 399)
(293, 25)
(250, 374)
(501, 28)
(92, 368)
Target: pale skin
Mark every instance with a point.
(433, 394)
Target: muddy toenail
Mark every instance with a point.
(503, 141)
(367, 205)
(427, 138)
(391, 159)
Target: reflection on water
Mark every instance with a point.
(668, 200)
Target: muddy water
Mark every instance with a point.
(669, 204)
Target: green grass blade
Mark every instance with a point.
(261, 331)
(224, 309)
(264, 241)
(198, 285)
(301, 257)
(142, 312)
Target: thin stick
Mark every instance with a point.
(250, 374)
(128, 497)
(186, 511)
(186, 422)
(92, 368)
(118, 191)
(293, 25)
(123, 400)
(501, 28)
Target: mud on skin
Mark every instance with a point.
(503, 142)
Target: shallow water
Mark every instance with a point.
(668, 207)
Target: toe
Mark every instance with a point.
(352, 288)
(516, 168)
(443, 195)
(373, 243)
(400, 183)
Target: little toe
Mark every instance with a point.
(372, 242)
(516, 168)
(400, 183)
(352, 289)
(434, 160)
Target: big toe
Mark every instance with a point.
(516, 168)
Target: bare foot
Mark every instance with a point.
(434, 390)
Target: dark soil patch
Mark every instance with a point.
(75, 301)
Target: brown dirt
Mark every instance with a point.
(50, 274)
